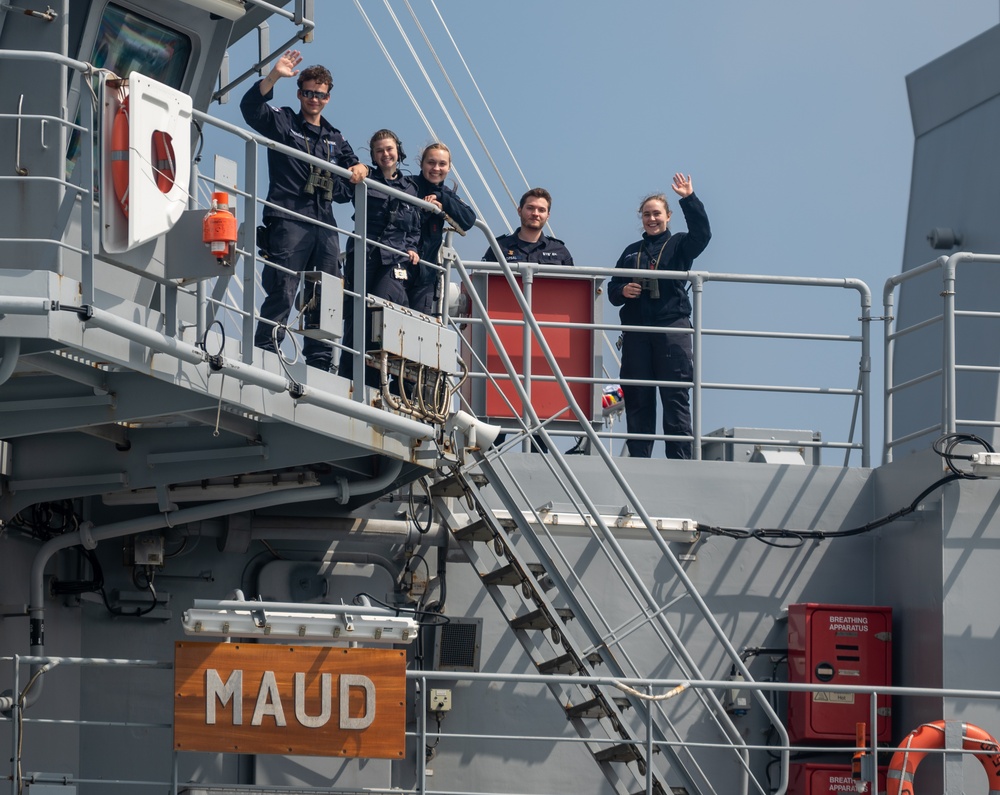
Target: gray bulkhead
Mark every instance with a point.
(955, 109)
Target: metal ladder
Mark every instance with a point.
(519, 577)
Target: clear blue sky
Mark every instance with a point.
(791, 117)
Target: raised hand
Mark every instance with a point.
(285, 65)
(682, 185)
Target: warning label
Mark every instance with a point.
(833, 698)
(848, 623)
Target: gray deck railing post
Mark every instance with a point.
(697, 292)
(250, 261)
(888, 350)
(361, 288)
(527, 281)
(87, 211)
(865, 366)
(949, 412)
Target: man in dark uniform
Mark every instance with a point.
(297, 186)
(528, 243)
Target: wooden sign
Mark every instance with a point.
(261, 698)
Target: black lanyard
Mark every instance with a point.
(656, 264)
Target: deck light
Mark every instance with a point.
(294, 621)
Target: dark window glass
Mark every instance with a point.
(129, 42)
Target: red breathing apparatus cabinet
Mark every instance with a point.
(838, 645)
(825, 779)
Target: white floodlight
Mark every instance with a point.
(985, 465)
(294, 621)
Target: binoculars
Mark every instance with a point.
(321, 181)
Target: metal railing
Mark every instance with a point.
(157, 746)
(235, 294)
(945, 321)
(860, 336)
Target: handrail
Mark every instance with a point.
(861, 392)
(248, 311)
(948, 265)
(424, 735)
(585, 499)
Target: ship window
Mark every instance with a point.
(129, 42)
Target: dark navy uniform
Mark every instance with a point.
(547, 251)
(423, 279)
(391, 222)
(660, 357)
(294, 244)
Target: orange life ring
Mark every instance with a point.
(119, 156)
(164, 162)
(931, 735)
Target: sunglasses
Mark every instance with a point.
(308, 94)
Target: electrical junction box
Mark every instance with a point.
(838, 645)
(440, 699)
(321, 306)
(825, 779)
(413, 337)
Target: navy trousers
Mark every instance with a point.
(301, 247)
(657, 357)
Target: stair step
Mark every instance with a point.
(623, 752)
(506, 575)
(477, 531)
(449, 487)
(595, 708)
(564, 664)
(453, 486)
(539, 619)
(658, 789)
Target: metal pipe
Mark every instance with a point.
(11, 355)
(259, 377)
(528, 280)
(948, 411)
(88, 537)
(383, 531)
(697, 292)
(250, 261)
(359, 321)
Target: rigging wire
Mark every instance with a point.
(451, 121)
(409, 93)
(496, 124)
(447, 115)
(465, 110)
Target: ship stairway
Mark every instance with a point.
(563, 631)
(580, 607)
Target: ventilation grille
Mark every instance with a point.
(457, 645)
